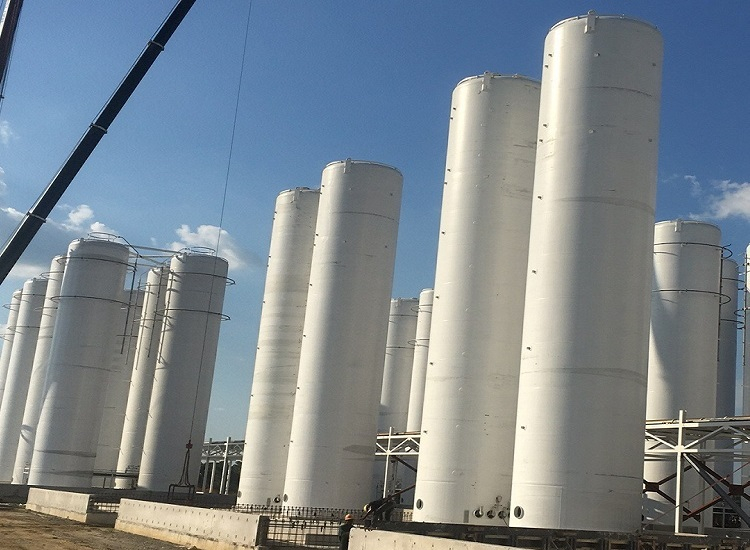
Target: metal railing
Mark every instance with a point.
(295, 527)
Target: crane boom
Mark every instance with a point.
(8, 24)
(35, 217)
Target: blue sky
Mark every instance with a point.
(323, 80)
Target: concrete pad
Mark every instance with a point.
(67, 505)
(203, 528)
(361, 539)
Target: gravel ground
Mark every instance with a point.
(21, 529)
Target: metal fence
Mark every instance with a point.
(104, 502)
(298, 512)
(295, 527)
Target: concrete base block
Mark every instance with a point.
(67, 505)
(360, 539)
(203, 528)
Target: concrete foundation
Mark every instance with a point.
(361, 539)
(203, 528)
(68, 505)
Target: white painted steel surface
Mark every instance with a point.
(121, 370)
(399, 360)
(684, 320)
(142, 379)
(746, 338)
(585, 336)
(269, 421)
(39, 371)
(341, 362)
(419, 367)
(184, 371)
(19, 373)
(683, 349)
(728, 323)
(78, 374)
(726, 376)
(8, 336)
(468, 419)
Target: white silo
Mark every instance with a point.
(121, 370)
(726, 375)
(684, 320)
(419, 367)
(19, 373)
(38, 372)
(399, 359)
(331, 456)
(745, 411)
(78, 373)
(728, 322)
(184, 371)
(279, 343)
(8, 336)
(142, 379)
(468, 417)
(582, 386)
(683, 349)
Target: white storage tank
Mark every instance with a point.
(682, 366)
(8, 336)
(468, 418)
(19, 373)
(38, 372)
(586, 319)
(684, 320)
(745, 410)
(121, 370)
(331, 455)
(78, 374)
(184, 371)
(419, 367)
(142, 379)
(726, 378)
(269, 421)
(399, 359)
(728, 323)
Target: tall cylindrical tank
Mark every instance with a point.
(38, 372)
(269, 421)
(121, 370)
(468, 418)
(78, 374)
(585, 335)
(399, 359)
(745, 410)
(184, 371)
(419, 367)
(682, 366)
(19, 373)
(728, 322)
(726, 378)
(684, 320)
(331, 455)
(142, 379)
(8, 336)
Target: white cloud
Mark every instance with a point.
(79, 215)
(695, 185)
(728, 199)
(207, 236)
(99, 227)
(12, 213)
(6, 132)
(3, 185)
